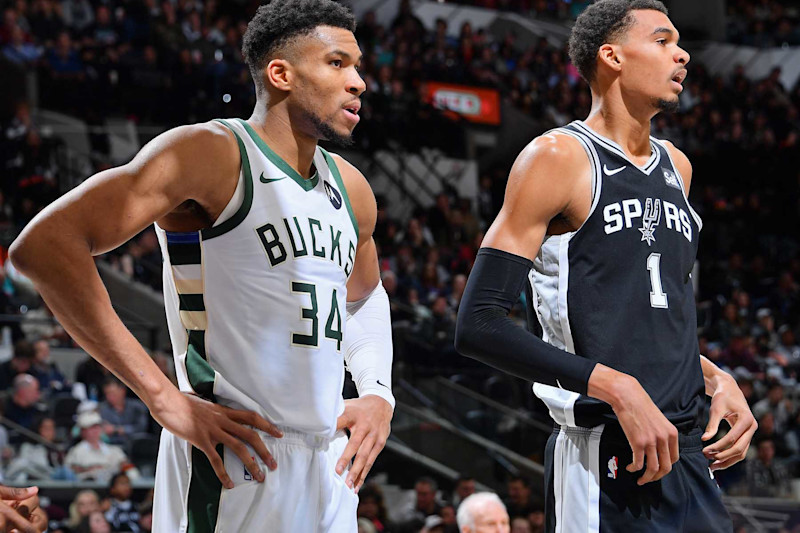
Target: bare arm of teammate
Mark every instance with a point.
(727, 400)
(368, 417)
(549, 179)
(55, 251)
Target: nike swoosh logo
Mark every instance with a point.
(615, 171)
(381, 384)
(269, 180)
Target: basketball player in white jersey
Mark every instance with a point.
(268, 255)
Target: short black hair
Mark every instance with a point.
(602, 23)
(281, 21)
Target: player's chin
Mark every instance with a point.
(668, 104)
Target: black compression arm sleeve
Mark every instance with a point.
(484, 331)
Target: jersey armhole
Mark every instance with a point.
(340, 183)
(681, 183)
(247, 197)
(596, 170)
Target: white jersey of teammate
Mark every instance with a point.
(256, 304)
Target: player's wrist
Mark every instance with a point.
(611, 386)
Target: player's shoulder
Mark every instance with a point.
(358, 190)
(551, 154)
(194, 145)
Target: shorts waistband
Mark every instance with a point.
(296, 437)
(687, 441)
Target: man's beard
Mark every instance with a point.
(667, 106)
(326, 132)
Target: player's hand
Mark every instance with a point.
(728, 403)
(206, 424)
(369, 421)
(653, 438)
(19, 510)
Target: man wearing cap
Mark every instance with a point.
(91, 458)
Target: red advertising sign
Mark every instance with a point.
(473, 103)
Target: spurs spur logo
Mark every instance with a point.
(651, 218)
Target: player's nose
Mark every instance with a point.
(355, 83)
(683, 57)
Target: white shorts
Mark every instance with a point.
(304, 494)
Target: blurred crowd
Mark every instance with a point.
(174, 62)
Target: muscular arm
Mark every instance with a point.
(727, 401)
(550, 180)
(55, 251)
(368, 340)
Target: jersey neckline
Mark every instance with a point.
(647, 168)
(306, 184)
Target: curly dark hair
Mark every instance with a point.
(601, 23)
(278, 23)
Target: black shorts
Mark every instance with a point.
(588, 488)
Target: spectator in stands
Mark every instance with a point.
(37, 460)
(372, 507)
(24, 408)
(483, 511)
(20, 52)
(781, 408)
(93, 375)
(465, 487)
(521, 525)
(94, 523)
(412, 518)
(122, 513)
(85, 503)
(51, 380)
(448, 515)
(520, 501)
(20, 363)
(123, 417)
(91, 458)
(767, 477)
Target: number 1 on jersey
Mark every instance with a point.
(658, 298)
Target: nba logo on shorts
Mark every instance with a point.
(612, 467)
(333, 195)
(247, 475)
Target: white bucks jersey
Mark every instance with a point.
(256, 304)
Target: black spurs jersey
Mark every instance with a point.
(618, 290)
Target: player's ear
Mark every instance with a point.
(278, 73)
(609, 56)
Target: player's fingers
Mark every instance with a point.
(39, 520)
(373, 455)
(12, 517)
(674, 448)
(251, 418)
(360, 462)
(737, 430)
(353, 444)
(17, 493)
(714, 418)
(241, 451)
(738, 448)
(218, 466)
(664, 460)
(652, 465)
(254, 440)
(344, 421)
(637, 461)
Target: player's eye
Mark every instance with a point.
(336, 63)
(662, 42)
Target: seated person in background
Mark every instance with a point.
(51, 380)
(122, 513)
(94, 523)
(39, 461)
(85, 503)
(766, 477)
(91, 458)
(23, 407)
(20, 363)
(123, 417)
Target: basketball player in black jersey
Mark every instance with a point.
(597, 229)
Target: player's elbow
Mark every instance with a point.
(20, 254)
(465, 333)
